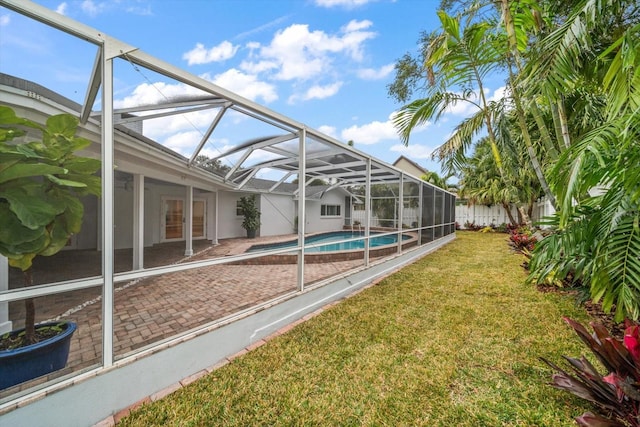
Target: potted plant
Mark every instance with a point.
(249, 209)
(41, 182)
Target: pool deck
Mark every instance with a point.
(156, 308)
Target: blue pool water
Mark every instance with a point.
(325, 240)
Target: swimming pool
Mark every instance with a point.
(323, 242)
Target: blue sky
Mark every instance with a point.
(325, 63)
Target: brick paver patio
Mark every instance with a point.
(156, 308)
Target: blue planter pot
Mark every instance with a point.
(25, 363)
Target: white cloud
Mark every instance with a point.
(498, 94)
(147, 94)
(349, 4)
(370, 133)
(413, 151)
(201, 55)
(258, 67)
(373, 74)
(62, 8)
(215, 151)
(4, 20)
(139, 10)
(465, 109)
(183, 142)
(329, 130)
(243, 84)
(321, 92)
(298, 53)
(354, 26)
(91, 8)
(246, 85)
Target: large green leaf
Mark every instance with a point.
(8, 118)
(31, 206)
(33, 246)
(93, 184)
(82, 165)
(23, 261)
(9, 134)
(13, 232)
(23, 170)
(65, 182)
(73, 211)
(63, 125)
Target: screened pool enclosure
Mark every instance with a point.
(162, 263)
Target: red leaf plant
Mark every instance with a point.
(615, 395)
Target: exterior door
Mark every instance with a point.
(173, 220)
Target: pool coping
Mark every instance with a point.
(334, 256)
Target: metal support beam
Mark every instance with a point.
(94, 87)
(107, 212)
(420, 208)
(400, 211)
(367, 210)
(302, 214)
(209, 131)
(5, 323)
(188, 221)
(138, 222)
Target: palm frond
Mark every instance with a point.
(462, 136)
(423, 110)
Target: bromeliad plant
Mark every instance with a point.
(522, 239)
(41, 182)
(617, 394)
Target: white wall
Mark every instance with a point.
(315, 223)
(278, 213)
(123, 218)
(88, 236)
(229, 224)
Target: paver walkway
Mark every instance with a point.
(156, 308)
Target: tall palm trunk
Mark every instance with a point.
(512, 58)
(507, 208)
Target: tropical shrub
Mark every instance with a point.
(502, 228)
(471, 226)
(41, 185)
(522, 239)
(616, 395)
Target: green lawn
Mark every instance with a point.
(452, 340)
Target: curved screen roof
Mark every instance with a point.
(233, 137)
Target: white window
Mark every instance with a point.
(330, 210)
(238, 208)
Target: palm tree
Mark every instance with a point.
(596, 51)
(457, 61)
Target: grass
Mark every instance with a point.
(451, 340)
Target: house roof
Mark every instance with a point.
(414, 164)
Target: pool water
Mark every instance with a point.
(325, 239)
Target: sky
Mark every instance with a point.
(325, 63)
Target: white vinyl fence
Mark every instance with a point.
(496, 215)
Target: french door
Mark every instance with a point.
(173, 218)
